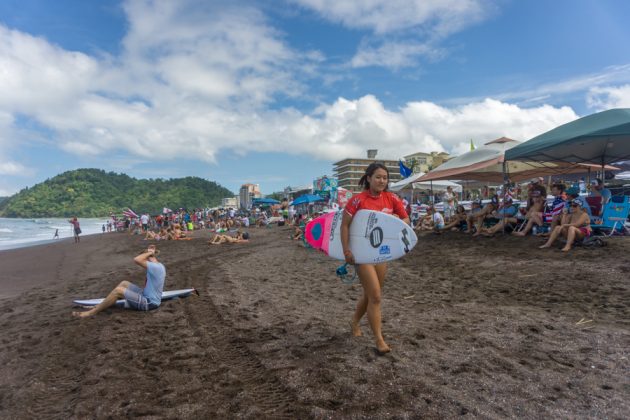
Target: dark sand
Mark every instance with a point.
(479, 327)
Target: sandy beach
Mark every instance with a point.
(488, 328)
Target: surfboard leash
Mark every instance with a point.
(342, 273)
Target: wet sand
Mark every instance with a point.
(480, 327)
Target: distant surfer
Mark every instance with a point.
(76, 227)
(140, 299)
(56, 234)
(373, 197)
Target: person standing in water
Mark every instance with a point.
(373, 197)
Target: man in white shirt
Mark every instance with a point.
(144, 219)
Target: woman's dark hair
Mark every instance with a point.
(372, 167)
(461, 209)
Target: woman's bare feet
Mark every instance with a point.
(544, 246)
(382, 347)
(82, 314)
(518, 234)
(356, 329)
(566, 249)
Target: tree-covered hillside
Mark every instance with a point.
(96, 193)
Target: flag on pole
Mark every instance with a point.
(404, 171)
(166, 210)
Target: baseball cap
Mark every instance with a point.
(594, 182)
(576, 202)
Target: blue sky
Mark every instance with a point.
(273, 92)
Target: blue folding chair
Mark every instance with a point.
(614, 217)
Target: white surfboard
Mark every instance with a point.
(166, 295)
(375, 237)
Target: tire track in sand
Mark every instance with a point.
(250, 389)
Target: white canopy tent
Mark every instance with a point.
(411, 183)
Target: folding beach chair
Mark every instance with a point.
(595, 203)
(614, 217)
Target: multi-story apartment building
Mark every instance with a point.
(247, 193)
(348, 171)
(424, 162)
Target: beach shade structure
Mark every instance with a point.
(264, 201)
(130, 213)
(600, 139)
(412, 183)
(307, 199)
(488, 163)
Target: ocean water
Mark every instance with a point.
(17, 233)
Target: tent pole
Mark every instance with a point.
(432, 196)
(505, 189)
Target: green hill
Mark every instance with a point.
(96, 193)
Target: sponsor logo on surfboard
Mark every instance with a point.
(376, 237)
(333, 225)
(384, 250)
(405, 240)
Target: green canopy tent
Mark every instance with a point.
(602, 138)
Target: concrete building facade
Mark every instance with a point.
(229, 202)
(426, 161)
(350, 170)
(247, 193)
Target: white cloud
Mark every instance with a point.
(611, 75)
(393, 55)
(385, 16)
(602, 98)
(403, 31)
(11, 168)
(198, 79)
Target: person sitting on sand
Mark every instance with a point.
(435, 222)
(140, 299)
(424, 223)
(487, 211)
(470, 217)
(506, 215)
(458, 220)
(554, 212)
(575, 226)
(534, 215)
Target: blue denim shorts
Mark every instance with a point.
(134, 299)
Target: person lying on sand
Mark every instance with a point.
(140, 299)
(574, 226)
(222, 239)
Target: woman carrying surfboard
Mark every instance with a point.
(373, 197)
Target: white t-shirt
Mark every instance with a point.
(438, 220)
(144, 219)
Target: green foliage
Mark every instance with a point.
(96, 193)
